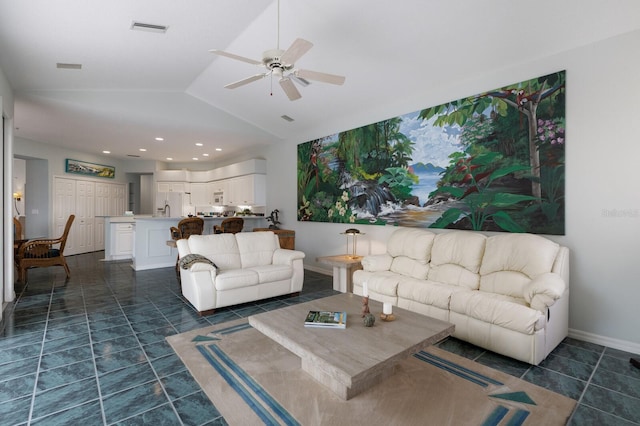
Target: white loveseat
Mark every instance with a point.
(507, 293)
(238, 268)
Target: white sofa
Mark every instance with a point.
(248, 266)
(507, 293)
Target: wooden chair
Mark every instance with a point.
(187, 227)
(41, 253)
(231, 225)
(17, 229)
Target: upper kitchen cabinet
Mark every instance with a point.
(248, 190)
(172, 187)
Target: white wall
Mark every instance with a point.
(602, 184)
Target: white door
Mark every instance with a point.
(65, 205)
(83, 228)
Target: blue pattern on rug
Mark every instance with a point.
(515, 396)
(518, 418)
(496, 416)
(255, 387)
(204, 339)
(235, 384)
(233, 329)
(500, 412)
(256, 397)
(456, 369)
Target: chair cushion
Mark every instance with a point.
(51, 253)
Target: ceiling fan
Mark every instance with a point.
(281, 64)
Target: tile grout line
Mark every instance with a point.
(44, 339)
(141, 346)
(93, 357)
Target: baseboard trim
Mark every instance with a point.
(610, 342)
(323, 271)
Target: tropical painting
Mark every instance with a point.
(489, 162)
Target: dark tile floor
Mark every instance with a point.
(91, 350)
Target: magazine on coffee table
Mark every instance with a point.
(326, 319)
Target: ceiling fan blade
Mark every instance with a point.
(244, 81)
(301, 81)
(236, 57)
(298, 48)
(320, 76)
(290, 89)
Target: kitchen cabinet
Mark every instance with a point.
(122, 241)
(201, 194)
(172, 187)
(248, 190)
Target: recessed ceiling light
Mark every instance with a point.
(159, 139)
(169, 158)
(218, 149)
(142, 150)
(205, 155)
(199, 144)
(106, 152)
(195, 158)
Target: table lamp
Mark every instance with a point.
(353, 232)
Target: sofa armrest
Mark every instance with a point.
(377, 262)
(544, 290)
(286, 256)
(183, 247)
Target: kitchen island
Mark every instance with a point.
(149, 236)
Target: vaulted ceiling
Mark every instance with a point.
(134, 86)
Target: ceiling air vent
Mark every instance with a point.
(133, 155)
(286, 118)
(63, 66)
(141, 26)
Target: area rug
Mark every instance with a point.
(252, 381)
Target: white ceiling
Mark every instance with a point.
(137, 85)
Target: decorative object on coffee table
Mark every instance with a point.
(387, 312)
(365, 300)
(635, 362)
(369, 320)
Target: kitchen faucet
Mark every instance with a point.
(167, 206)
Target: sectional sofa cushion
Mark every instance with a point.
(456, 257)
(511, 261)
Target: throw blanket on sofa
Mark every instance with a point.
(190, 259)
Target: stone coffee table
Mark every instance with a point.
(351, 360)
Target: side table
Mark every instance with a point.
(343, 267)
(287, 237)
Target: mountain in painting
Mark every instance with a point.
(426, 168)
